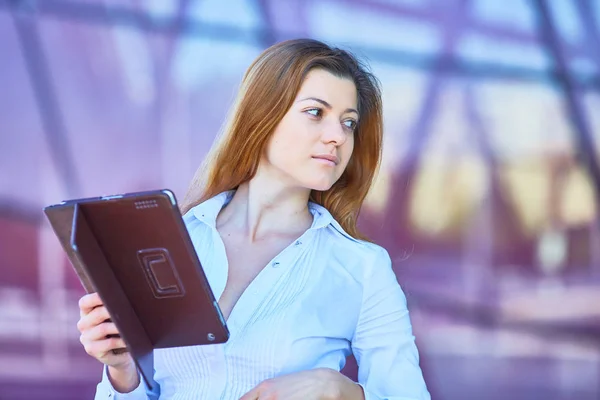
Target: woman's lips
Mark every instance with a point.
(328, 159)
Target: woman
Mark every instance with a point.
(272, 215)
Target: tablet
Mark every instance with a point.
(135, 251)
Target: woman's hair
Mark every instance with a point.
(267, 92)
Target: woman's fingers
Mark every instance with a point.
(97, 341)
(100, 348)
(99, 336)
(93, 318)
(99, 332)
(88, 302)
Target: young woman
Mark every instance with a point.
(272, 215)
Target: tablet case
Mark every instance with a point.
(134, 251)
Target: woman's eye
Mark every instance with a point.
(351, 124)
(315, 112)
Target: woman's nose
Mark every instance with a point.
(333, 132)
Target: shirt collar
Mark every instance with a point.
(207, 212)
(323, 218)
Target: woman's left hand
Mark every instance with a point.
(315, 384)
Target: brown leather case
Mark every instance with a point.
(134, 250)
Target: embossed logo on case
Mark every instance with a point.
(160, 273)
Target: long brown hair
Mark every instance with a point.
(267, 92)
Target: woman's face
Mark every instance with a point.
(313, 143)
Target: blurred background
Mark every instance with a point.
(487, 199)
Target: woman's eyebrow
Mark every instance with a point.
(327, 105)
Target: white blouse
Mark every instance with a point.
(323, 297)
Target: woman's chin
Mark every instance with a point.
(321, 186)
(320, 182)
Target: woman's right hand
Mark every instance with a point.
(99, 336)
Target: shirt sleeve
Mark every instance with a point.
(383, 343)
(106, 391)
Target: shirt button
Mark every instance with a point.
(298, 243)
(275, 264)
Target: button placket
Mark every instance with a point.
(290, 252)
(251, 299)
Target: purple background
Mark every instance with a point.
(483, 201)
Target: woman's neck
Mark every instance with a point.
(261, 208)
